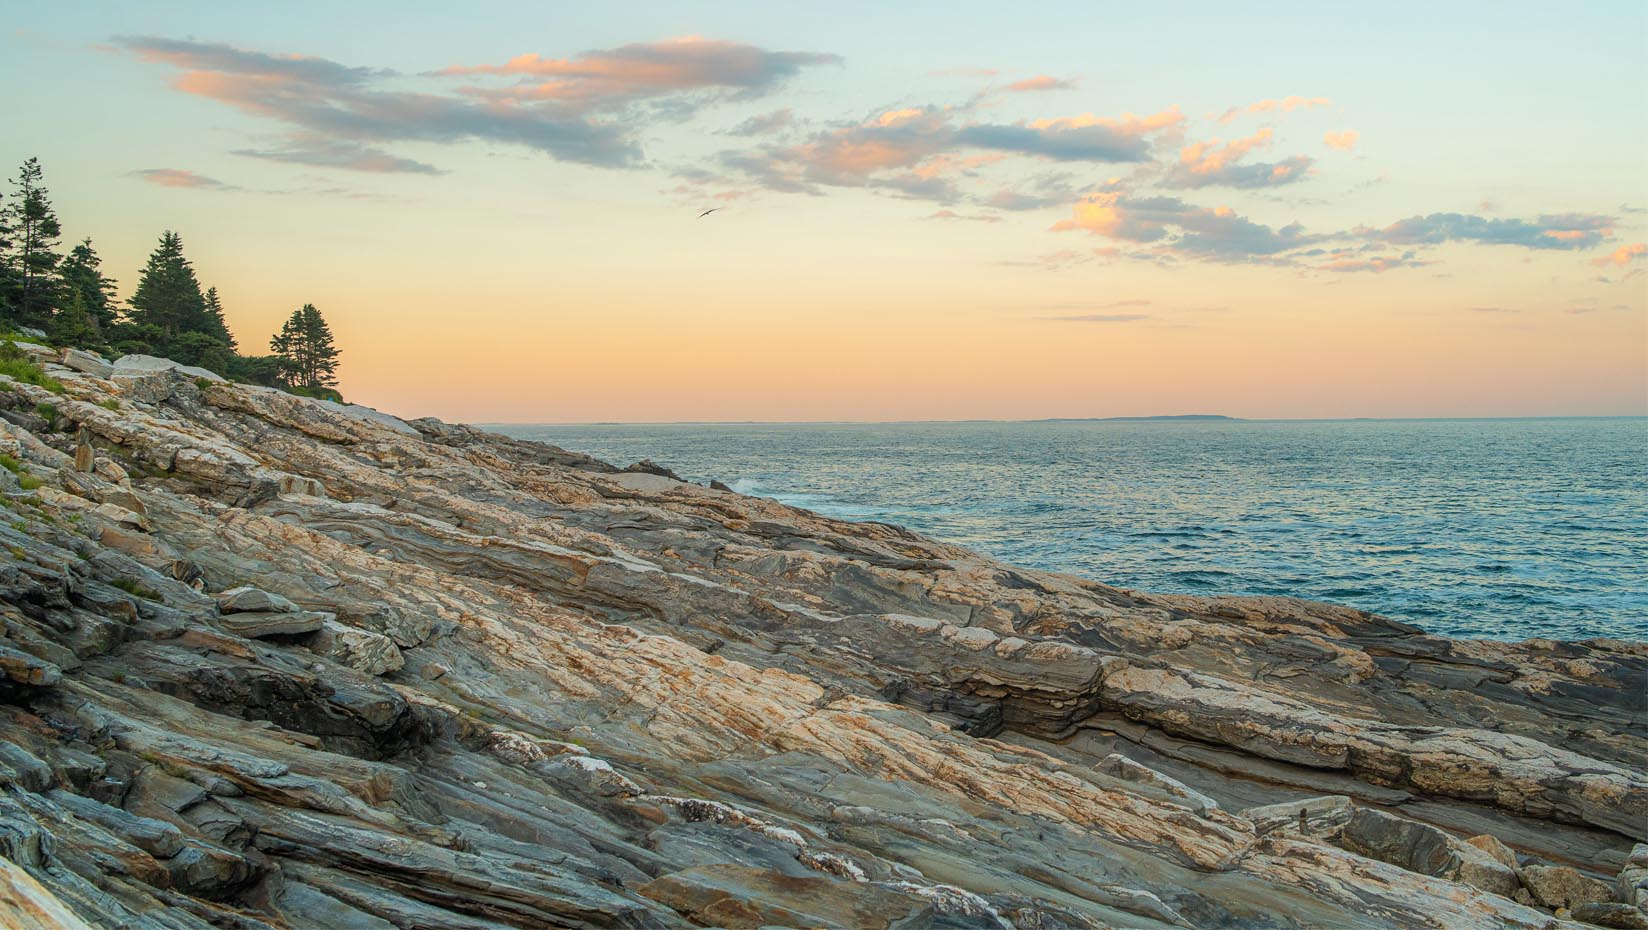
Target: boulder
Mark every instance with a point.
(1491, 845)
(132, 365)
(247, 599)
(1560, 886)
(89, 363)
(1423, 848)
(1632, 885)
(150, 380)
(361, 650)
(254, 625)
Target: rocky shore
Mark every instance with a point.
(272, 662)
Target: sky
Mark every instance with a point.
(938, 211)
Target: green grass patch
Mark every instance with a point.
(136, 588)
(18, 553)
(25, 480)
(110, 404)
(49, 413)
(17, 364)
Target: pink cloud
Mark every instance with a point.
(646, 69)
(1042, 82)
(1343, 141)
(1284, 105)
(179, 178)
(1623, 255)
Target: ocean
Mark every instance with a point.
(1505, 529)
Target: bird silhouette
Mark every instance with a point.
(708, 212)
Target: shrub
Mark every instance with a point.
(16, 363)
(48, 412)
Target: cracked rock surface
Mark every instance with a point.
(278, 663)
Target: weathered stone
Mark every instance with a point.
(83, 458)
(1323, 817)
(26, 905)
(1631, 886)
(1119, 766)
(87, 362)
(1496, 849)
(1611, 914)
(1425, 849)
(256, 625)
(738, 897)
(361, 650)
(18, 667)
(1563, 886)
(247, 599)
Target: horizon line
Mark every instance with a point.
(1207, 419)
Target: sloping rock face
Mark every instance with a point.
(277, 663)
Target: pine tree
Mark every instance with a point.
(82, 275)
(304, 347)
(32, 257)
(168, 294)
(323, 353)
(212, 322)
(7, 273)
(73, 324)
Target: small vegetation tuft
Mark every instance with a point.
(17, 364)
(136, 588)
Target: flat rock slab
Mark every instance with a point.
(292, 623)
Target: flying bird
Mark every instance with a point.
(708, 212)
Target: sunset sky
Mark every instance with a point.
(949, 211)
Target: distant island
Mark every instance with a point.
(1179, 417)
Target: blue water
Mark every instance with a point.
(1496, 528)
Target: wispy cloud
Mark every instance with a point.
(1218, 234)
(608, 78)
(765, 124)
(1042, 82)
(1281, 105)
(341, 116)
(181, 178)
(974, 217)
(1206, 164)
(919, 151)
(1100, 318)
(1547, 231)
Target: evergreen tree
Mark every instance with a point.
(212, 322)
(82, 274)
(34, 231)
(73, 324)
(168, 294)
(6, 271)
(304, 347)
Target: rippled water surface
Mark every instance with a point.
(1497, 528)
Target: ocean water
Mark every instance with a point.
(1505, 529)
